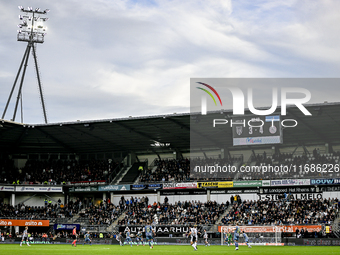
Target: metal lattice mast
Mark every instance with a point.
(32, 31)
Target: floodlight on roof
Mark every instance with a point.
(20, 7)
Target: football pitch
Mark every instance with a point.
(162, 249)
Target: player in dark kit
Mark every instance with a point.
(236, 236)
(139, 238)
(74, 236)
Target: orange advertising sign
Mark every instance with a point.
(268, 229)
(310, 228)
(23, 223)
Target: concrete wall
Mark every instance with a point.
(223, 198)
(37, 200)
(182, 198)
(116, 197)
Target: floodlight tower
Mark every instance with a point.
(32, 31)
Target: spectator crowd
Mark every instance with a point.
(47, 212)
(301, 166)
(269, 212)
(169, 170)
(56, 171)
(102, 214)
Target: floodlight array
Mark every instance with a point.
(32, 27)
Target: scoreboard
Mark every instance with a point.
(256, 130)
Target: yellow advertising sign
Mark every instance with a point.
(215, 185)
(225, 184)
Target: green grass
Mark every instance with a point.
(162, 250)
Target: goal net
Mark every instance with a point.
(257, 235)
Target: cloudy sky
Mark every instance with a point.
(116, 58)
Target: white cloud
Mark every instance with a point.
(146, 52)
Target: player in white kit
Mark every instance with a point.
(205, 236)
(193, 237)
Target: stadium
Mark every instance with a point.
(206, 181)
(64, 175)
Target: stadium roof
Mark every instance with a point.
(157, 134)
(137, 134)
(320, 128)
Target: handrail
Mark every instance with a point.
(117, 169)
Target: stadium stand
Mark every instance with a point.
(172, 170)
(168, 170)
(295, 162)
(103, 214)
(50, 212)
(7, 170)
(283, 212)
(184, 213)
(57, 171)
